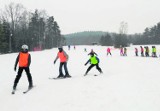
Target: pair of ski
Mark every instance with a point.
(66, 77)
(13, 92)
(59, 78)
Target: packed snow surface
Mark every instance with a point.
(128, 83)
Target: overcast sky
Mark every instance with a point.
(97, 15)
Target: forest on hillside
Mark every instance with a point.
(151, 35)
(84, 38)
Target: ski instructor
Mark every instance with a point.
(24, 61)
(63, 56)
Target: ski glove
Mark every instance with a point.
(54, 62)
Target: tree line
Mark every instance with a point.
(151, 35)
(36, 29)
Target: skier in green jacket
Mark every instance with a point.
(94, 61)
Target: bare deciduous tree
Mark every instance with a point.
(123, 28)
(13, 14)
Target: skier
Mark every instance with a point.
(24, 61)
(109, 51)
(63, 56)
(92, 52)
(85, 50)
(154, 51)
(94, 62)
(142, 51)
(147, 51)
(69, 47)
(136, 51)
(125, 52)
(121, 51)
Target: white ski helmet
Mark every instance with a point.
(25, 47)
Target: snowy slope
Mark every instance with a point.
(127, 83)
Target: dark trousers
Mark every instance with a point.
(65, 69)
(147, 54)
(109, 53)
(91, 66)
(154, 54)
(142, 54)
(19, 74)
(136, 53)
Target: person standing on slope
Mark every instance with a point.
(94, 62)
(136, 51)
(109, 51)
(142, 51)
(63, 56)
(92, 52)
(154, 51)
(125, 51)
(121, 51)
(24, 61)
(85, 50)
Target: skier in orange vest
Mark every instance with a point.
(62, 55)
(24, 61)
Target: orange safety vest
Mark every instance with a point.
(23, 59)
(62, 57)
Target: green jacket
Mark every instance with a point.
(93, 60)
(153, 49)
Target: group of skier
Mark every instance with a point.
(145, 51)
(24, 61)
(123, 51)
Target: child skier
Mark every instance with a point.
(85, 50)
(142, 51)
(94, 62)
(136, 51)
(92, 52)
(109, 51)
(121, 51)
(147, 51)
(24, 60)
(63, 56)
(125, 52)
(154, 51)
